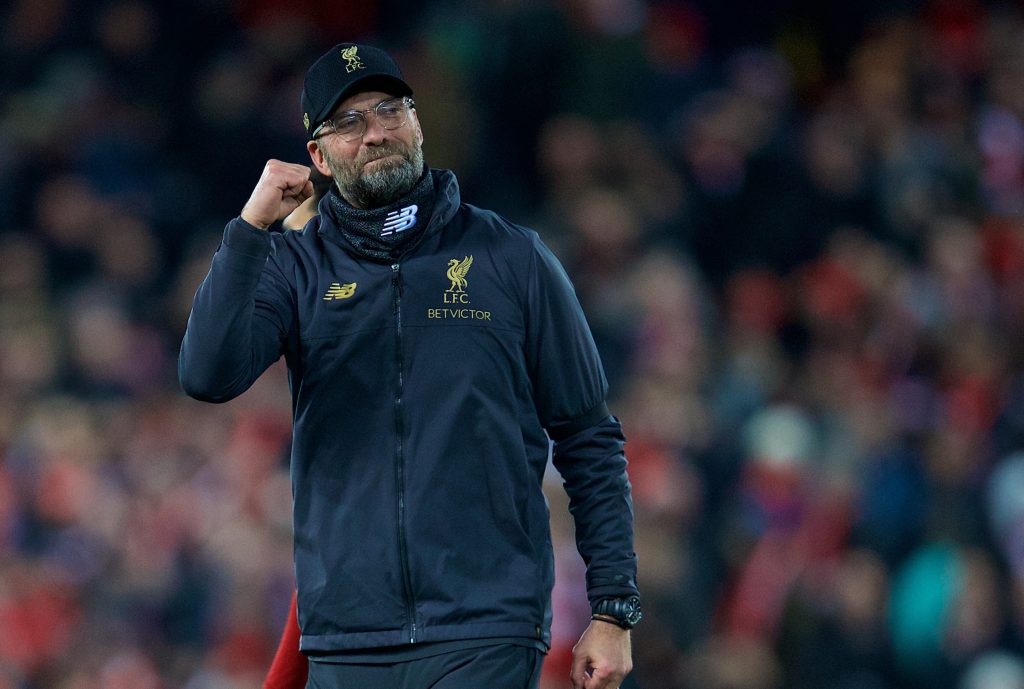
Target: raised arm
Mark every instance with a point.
(243, 309)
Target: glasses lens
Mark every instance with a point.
(350, 126)
(392, 113)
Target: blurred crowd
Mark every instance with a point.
(797, 234)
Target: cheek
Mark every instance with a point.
(336, 158)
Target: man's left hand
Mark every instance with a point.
(602, 657)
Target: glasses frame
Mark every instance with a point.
(407, 103)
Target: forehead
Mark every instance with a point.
(363, 100)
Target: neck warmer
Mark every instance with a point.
(385, 233)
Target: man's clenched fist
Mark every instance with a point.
(282, 187)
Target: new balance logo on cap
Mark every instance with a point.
(399, 220)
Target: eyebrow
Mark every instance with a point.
(360, 111)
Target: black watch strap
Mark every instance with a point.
(624, 611)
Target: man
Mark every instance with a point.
(432, 348)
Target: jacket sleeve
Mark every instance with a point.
(240, 317)
(569, 389)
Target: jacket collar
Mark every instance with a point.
(446, 204)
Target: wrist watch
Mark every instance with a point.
(624, 611)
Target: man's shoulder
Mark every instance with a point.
(298, 241)
(302, 251)
(484, 220)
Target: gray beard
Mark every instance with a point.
(382, 185)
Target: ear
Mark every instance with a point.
(419, 129)
(317, 156)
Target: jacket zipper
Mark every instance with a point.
(396, 282)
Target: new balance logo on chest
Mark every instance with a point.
(339, 291)
(399, 220)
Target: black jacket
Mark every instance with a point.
(421, 394)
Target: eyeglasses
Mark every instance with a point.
(351, 124)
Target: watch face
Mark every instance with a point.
(632, 609)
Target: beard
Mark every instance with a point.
(385, 181)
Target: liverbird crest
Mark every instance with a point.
(457, 273)
(354, 63)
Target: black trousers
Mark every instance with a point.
(489, 667)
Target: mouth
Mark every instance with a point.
(387, 156)
(371, 165)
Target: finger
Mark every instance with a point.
(579, 671)
(293, 188)
(281, 188)
(604, 679)
(280, 166)
(298, 192)
(287, 177)
(305, 192)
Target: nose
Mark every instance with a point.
(375, 132)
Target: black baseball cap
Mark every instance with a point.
(345, 69)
